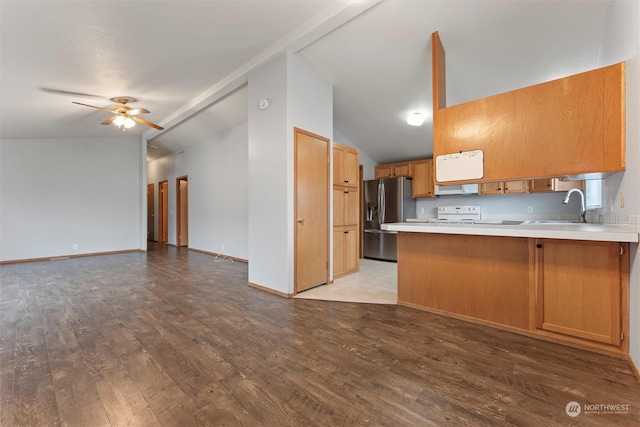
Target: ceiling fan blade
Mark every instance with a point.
(70, 93)
(109, 120)
(147, 123)
(93, 106)
(136, 111)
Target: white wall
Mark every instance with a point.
(622, 43)
(61, 192)
(217, 172)
(299, 97)
(269, 157)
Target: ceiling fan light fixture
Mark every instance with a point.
(121, 120)
(415, 119)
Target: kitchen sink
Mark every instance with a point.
(498, 222)
(552, 221)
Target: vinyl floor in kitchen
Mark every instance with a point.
(375, 282)
(173, 338)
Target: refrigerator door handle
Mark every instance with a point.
(382, 205)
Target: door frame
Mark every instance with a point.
(361, 212)
(180, 199)
(151, 212)
(296, 132)
(163, 213)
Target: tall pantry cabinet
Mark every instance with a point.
(346, 209)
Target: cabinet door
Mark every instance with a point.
(422, 185)
(540, 185)
(491, 188)
(553, 184)
(346, 165)
(385, 171)
(516, 187)
(558, 185)
(579, 289)
(351, 168)
(351, 249)
(351, 206)
(338, 165)
(402, 169)
(338, 207)
(338, 252)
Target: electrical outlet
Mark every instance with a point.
(75, 246)
(222, 246)
(421, 210)
(529, 209)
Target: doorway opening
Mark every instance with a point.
(182, 211)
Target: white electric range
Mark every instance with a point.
(457, 215)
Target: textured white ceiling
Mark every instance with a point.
(170, 54)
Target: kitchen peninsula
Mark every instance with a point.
(562, 282)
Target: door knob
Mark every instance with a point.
(301, 220)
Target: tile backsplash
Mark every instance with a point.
(626, 222)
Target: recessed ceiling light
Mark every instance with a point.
(416, 119)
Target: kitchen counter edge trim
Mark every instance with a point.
(593, 232)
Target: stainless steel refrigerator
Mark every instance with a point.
(385, 201)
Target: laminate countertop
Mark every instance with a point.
(531, 229)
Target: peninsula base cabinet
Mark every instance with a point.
(567, 291)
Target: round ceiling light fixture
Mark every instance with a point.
(415, 119)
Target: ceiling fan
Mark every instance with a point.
(124, 116)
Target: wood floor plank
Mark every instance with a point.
(171, 338)
(77, 399)
(34, 401)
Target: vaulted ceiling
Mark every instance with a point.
(187, 61)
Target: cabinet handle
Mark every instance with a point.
(345, 232)
(539, 245)
(346, 181)
(346, 192)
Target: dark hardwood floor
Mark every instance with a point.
(172, 338)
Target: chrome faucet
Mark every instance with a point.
(583, 209)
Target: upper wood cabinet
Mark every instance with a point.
(421, 172)
(422, 185)
(569, 126)
(403, 169)
(346, 164)
(553, 184)
(384, 171)
(394, 170)
(504, 187)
